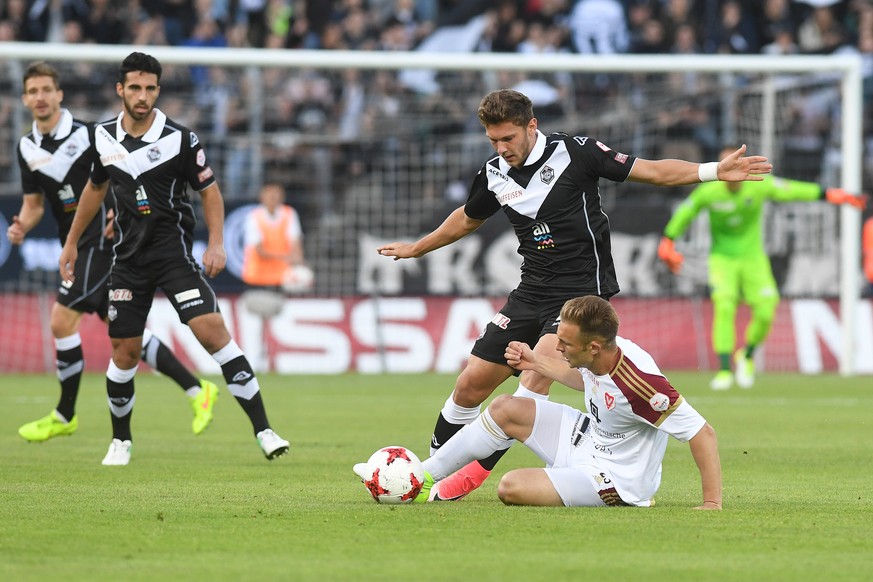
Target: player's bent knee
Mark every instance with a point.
(509, 489)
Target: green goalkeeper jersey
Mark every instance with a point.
(735, 217)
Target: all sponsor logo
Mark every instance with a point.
(241, 377)
(547, 174)
(495, 172)
(505, 198)
(659, 402)
(603, 146)
(194, 139)
(542, 236)
(620, 158)
(205, 174)
(201, 158)
(188, 295)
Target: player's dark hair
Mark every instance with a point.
(595, 317)
(505, 105)
(41, 69)
(139, 62)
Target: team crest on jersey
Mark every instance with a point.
(547, 174)
(542, 236)
(71, 149)
(194, 140)
(154, 154)
(609, 400)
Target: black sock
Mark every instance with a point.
(442, 432)
(121, 399)
(243, 384)
(70, 364)
(159, 357)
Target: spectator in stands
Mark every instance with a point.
(821, 32)
(735, 33)
(102, 24)
(739, 269)
(599, 26)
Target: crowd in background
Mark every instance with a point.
(600, 26)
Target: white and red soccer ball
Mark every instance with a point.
(394, 475)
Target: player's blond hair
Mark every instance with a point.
(505, 105)
(594, 316)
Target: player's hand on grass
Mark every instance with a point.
(398, 250)
(15, 232)
(738, 168)
(672, 258)
(840, 196)
(67, 262)
(214, 260)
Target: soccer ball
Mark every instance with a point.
(298, 279)
(394, 475)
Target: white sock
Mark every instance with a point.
(458, 414)
(526, 392)
(477, 440)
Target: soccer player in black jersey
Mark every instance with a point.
(548, 188)
(55, 165)
(151, 161)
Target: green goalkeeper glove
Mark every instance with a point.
(840, 196)
(672, 258)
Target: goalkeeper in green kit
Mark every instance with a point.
(739, 268)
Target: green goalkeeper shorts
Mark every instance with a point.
(747, 278)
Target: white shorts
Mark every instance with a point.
(561, 438)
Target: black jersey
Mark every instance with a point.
(554, 204)
(58, 166)
(150, 176)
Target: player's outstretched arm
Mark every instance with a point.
(89, 203)
(704, 449)
(734, 168)
(455, 227)
(215, 257)
(520, 356)
(32, 209)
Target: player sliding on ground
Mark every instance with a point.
(548, 188)
(609, 456)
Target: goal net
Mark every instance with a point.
(376, 147)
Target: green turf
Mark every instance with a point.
(797, 455)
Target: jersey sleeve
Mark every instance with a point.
(685, 213)
(596, 160)
(29, 185)
(481, 202)
(198, 171)
(99, 175)
(683, 423)
(784, 190)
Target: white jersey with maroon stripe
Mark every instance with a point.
(634, 408)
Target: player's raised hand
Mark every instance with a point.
(214, 259)
(737, 167)
(15, 232)
(398, 250)
(519, 355)
(67, 262)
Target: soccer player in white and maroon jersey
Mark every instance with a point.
(610, 455)
(547, 185)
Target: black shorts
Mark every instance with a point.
(87, 292)
(132, 287)
(519, 320)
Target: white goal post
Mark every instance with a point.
(848, 69)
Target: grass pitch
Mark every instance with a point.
(797, 456)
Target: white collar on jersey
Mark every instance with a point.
(535, 154)
(154, 132)
(59, 131)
